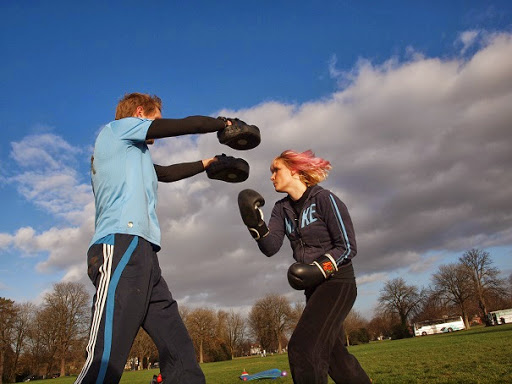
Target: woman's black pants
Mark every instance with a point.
(316, 348)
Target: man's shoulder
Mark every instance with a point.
(128, 128)
(126, 122)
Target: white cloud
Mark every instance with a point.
(420, 152)
(372, 278)
(420, 159)
(5, 240)
(43, 151)
(467, 39)
(425, 264)
(48, 175)
(24, 239)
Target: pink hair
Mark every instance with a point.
(311, 169)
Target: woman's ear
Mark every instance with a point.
(295, 174)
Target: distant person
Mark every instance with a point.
(122, 256)
(321, 235)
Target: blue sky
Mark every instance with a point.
(407, 100)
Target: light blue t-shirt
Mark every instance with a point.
(124, 181)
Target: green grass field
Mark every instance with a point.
(480, 355)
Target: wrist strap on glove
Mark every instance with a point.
(326, 264)
(261, 230)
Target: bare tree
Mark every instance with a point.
(21, 328)
(36, 345)
(8, 313)
(296, 313)
(68, 308)
(201, 325)
(452, 285)
(48, 326)
(235, 329)
(260, 329)
(184, 311)
(483, 275)
(143, 348)
(399, 298)
(269, 319)
(510, 288)
(353, 322)
(221, 329)
(431, 306)
(380, 326)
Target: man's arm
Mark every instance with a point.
(175, 172)
(161, 128)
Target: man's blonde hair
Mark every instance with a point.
(129, 103)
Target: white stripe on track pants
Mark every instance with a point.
(130, 293)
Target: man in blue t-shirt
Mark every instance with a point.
(122, 256)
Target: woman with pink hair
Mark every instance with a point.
(321, 235)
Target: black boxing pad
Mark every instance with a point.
(228, 169)
(239, 135)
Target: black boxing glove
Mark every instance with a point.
(303, 276)
(249, 203)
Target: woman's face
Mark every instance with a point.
(282, 177)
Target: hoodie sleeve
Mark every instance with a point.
(340, 227)
(272, 243)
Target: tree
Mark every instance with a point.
(380, 326)
(353, 323)
(235, 329)
(510, 288)
(201, 324)
(143, 348)
(483, 275)
(68, 308)
(261, 329)
(8, 313)
(220, 349)
(48, 329)
(399, 298)
(296, 313)
(431, 306)
(269, 319)
(21, 328)
(452, 285)
(184, 312)
(36, 345)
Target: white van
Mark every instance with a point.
(503, 316)
(430, 327)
